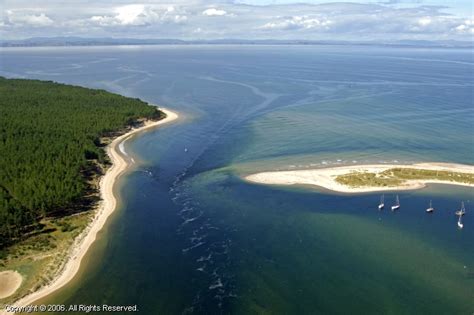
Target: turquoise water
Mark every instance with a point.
(192, 237)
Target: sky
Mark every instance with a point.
(369, 20)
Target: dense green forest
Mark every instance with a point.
(50, 145)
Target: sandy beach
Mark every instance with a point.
(119, 164)
(10, 281)
(325, 177)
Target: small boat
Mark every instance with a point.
(461, 211)
(381, 204)
(185, 149)
(460, 225)
(430, 209)
(396, 206)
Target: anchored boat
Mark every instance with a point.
(430, 209)
(396, 206)
(460, 225)
(381, 204)
(461, 211)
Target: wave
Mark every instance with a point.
(122, 148)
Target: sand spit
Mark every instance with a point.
(325, 177)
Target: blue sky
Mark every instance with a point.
(371, 20)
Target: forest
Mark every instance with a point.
(51, 146)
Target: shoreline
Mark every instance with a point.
(107, 207)
(325, 177)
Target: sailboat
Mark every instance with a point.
(460, 225)
(396, 206)
(461, 211)
(430, 209)
(381, 204)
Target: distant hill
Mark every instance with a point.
(81, 41)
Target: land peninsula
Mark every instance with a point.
(57, 143)
(370, 178)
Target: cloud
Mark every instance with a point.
(467, 27)
(297, 22)
(128, 14)
(214, 12)
(188, 19)
(139, 15)
(19, 18)
(424, 21)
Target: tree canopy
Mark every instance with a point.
(49, 140)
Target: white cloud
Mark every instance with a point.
(214, 12)
(424, 21)
(102, 20)
(465, 28)
(139, 15)
(298, 22)
(129, 14)
(183, 19)
(180, 18)
(19, 18)
(38, 20)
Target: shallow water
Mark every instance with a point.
(192, 237)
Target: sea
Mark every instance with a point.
(190, 236)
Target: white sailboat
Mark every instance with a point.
(460, 225)
(461, 211)
(381, 204)
(430, 209)
(396, 206)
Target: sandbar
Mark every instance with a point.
(325, 177)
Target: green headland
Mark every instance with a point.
(52, 141)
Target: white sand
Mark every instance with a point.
(325, 177)
(83, 242)
(10, 281)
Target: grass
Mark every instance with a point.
(397, 176)
(41, 256)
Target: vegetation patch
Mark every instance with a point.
(40, 256)
(51, 142)
(397, 176)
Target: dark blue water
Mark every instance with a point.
(192, 237)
